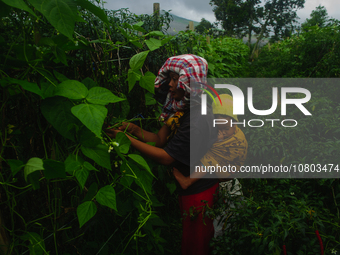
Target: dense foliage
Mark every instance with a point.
(67, 70)
(272, 18)
(205, 26)
(314, 53)
(319, 17)
(292, 215)
(274, 215)
(70, 69)
(277, 215)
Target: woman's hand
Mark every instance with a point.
(112, 132)
(128, 127)
(183, 181)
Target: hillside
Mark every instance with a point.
(179, 24)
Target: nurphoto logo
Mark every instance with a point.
(238, 105)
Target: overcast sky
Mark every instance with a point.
(197, 9)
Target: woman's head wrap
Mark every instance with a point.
(191, 69)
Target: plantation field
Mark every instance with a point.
(70, 69)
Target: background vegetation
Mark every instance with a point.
(70, 69)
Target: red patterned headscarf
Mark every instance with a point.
(190, 68)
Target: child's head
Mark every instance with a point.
(224, 111)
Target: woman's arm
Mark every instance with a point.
(145, 136)
(186, 182)
(157, 154)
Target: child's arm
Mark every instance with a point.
(186, 182)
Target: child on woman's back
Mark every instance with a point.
(229, 150)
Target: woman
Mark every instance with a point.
(183, 120)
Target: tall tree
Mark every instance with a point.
(263, 17)
(204, 26)
(232, 14)
(318, 17)
(254, 13)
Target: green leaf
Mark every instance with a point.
(137, 61)
(32, 165)
(20, 4)
(37, 245)
(15, 165)
(71, 89)
(60, 13)
(126, 180)
(29, 86)
(60, 56)
(33, 178)
(136, 43)
(141, 161)
(47, 83)
(151, 143)
(88, 138)
(155, 203)
(54, 169)
(79, 19)
(94, 9)
(139, 29)
(171, 187)
(79, 168)
(99, 154)
(85, 212)
(127, 25)
(107, 196)
(89, 167)
(47, 41)
(133, 76)
(124, 142)
(143, 180)
(82, 174)
(122, 109)
(47, 76)
(60, 76)
(149, 100)
(89, 83)
(92, 116)
(148, 82)
(4, 12)
(122, 31)
(286, 234)
(57, 111)
(73, 163)
(62, 41)
(166, 40)
(153, 44)
(47, 89)
(155, 33)
(91, 192)
(211, 67)
(139, 24)
(102, 96)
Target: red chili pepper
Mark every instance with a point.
(320, 241)
(284, 249)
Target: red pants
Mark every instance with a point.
(197, 229)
